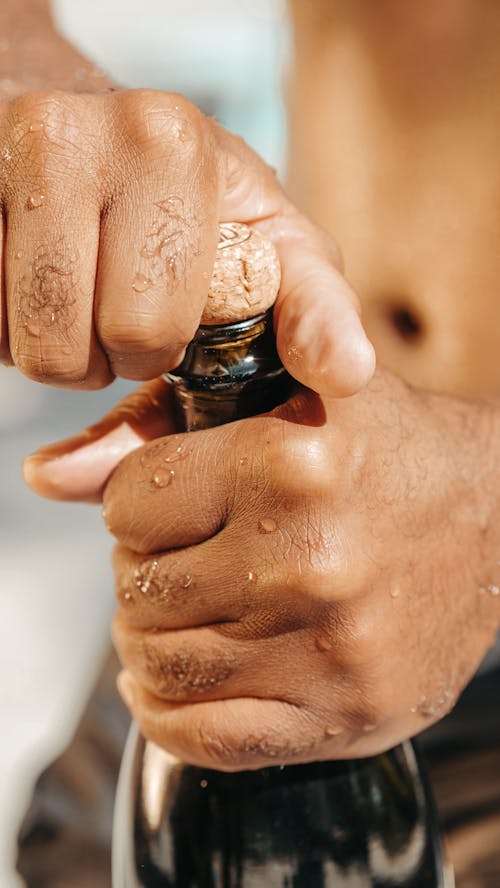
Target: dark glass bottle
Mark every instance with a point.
(345, 824)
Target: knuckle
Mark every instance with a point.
(300, 465)
(309, 559)
(364, 714)
(363, 647)
(48, 127)
(153, 120)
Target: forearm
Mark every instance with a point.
(33, 56)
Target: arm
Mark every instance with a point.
(33, 56)
(351, 619)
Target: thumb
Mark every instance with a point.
(78, 468)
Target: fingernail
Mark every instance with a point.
(126, 688)
(81, 472)
(69, 445)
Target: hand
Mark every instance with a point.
(111, 208)
(318, 582)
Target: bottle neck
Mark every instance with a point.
(229, 372)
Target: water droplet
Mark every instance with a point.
(36, 200)
(251, 577)
(6, 154)
(413, 709)
(332, 732)
(323, 644)
(243, 460)
(36, 127)
(494, 590)
(19, 254)
(162, 478)
(186, 581)
(203, 784)
(293, 353)
(183, 135)
(176, 456)
(141, 283)
(127, 596)
(267, 525)
(395, 591)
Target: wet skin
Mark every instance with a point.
(320, 582)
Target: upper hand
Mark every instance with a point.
(111, 209)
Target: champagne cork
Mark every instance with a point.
(246, 276)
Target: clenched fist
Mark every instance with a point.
(112, 202)
(317, 582)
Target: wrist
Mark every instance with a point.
(34, 57)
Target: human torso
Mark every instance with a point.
(395, 149)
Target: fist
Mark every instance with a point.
(313, 583)
(112, 203)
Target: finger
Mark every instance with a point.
(227, 735)
(78, 468)
(203, 664)
(158, 237)
(220, 662)
(185, 588)
(320, 338)
(172, 493)
(218, 581)
(5, 355)
(52, 216)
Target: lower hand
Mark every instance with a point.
(320, 582)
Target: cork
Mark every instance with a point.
(246, 276)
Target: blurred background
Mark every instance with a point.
(55, 580)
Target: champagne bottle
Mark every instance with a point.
(328, 824)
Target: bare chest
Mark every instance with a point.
(406, 176)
